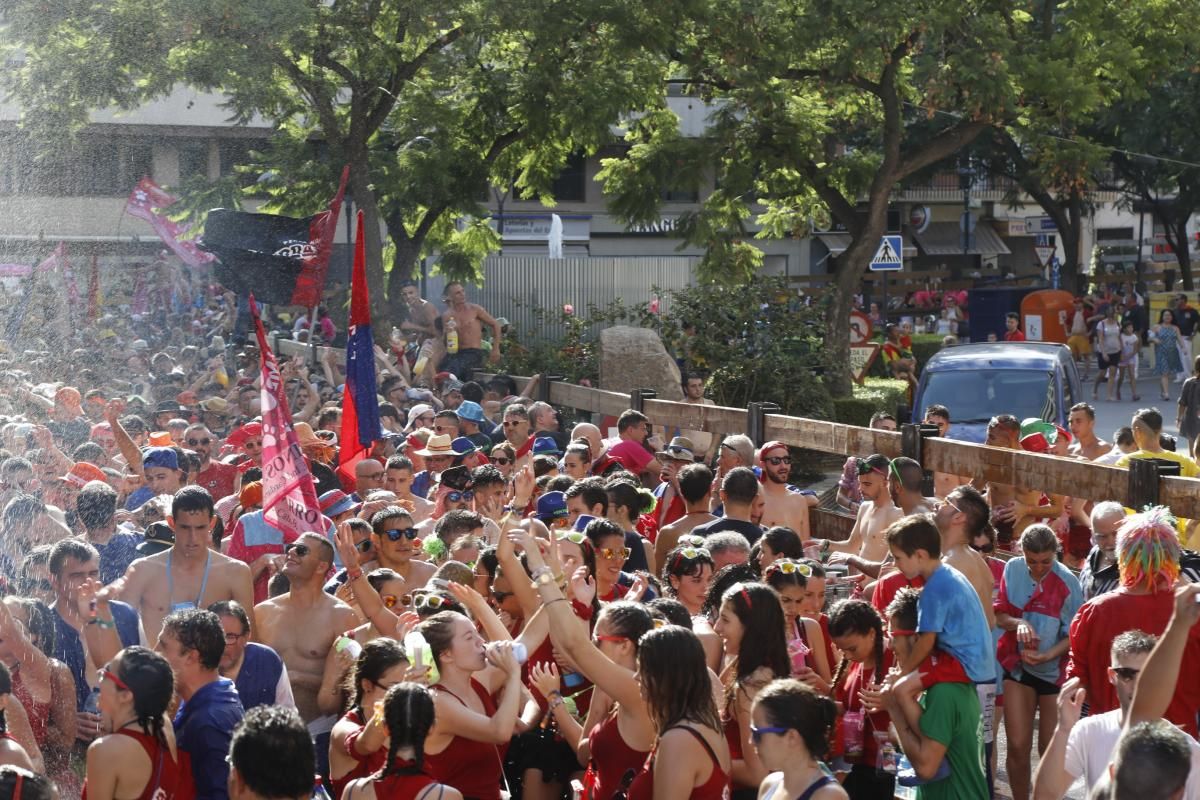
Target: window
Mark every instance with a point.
(1114, 234)
(93, 166)
(235, 153)
(571, 184)
(680, 196)
(193, 159)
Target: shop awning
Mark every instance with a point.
(945, 239)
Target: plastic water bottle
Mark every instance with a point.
(423, 357)
(420, 654)
(92, 704)
(452, 336)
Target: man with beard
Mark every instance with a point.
(866, 548)
(255, 669)
(217, 478)
(301, 626)
(784, 505)
(1099, 573)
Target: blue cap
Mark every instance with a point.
(463, 446)
(160, 457)
(470, 411)
(552, 505)
(546, 446)
(582, 521)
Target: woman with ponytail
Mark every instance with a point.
(626, 502)
(807, 647)
(356, 745)
(857, 630)
(792, 727)
(408, 713)
(137, 759)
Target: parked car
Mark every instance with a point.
(979, 381)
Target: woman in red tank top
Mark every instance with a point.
(464, 747)
(806, 641)
(357, 743)
(691, 750)
(617, 738)
(750, 624)
(137, 759)
(408, 716)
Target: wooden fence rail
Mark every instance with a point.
(1049, 474)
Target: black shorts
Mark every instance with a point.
(1106, 361)
(1043, 688)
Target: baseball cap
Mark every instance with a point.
(82, 473)
(158, 537)
(552, 506)
(545, 446)
(335, 502)
(470, 411)
(159, 457)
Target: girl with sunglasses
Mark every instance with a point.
(750, 624)
(858, 629)
(465, 747)
(617, 737)
(611, 554)
(779, 542)
(408, 714)
(792, 726)
(626, 502)
(504, 457)
(138, 756)
(687, 575)
(690, 751)
(357, 745)
(806, 641)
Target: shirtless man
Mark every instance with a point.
(396, 549)
(943, 482)
(783, 505)
(960, 519)
(695, 487)
(421, 313)
(301, 626)
(189, 574)
(904, 484)
(866, 549)
(1082, 423)
(398, 479)
(469, 319)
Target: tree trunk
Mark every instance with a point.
(364, 200)
(851, 266)
(1182, 252)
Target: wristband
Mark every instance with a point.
(554, 703)
(105, 624)
(540, 571)
(353, 573)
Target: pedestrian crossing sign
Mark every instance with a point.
(889, 256)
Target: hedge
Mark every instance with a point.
(876, 394)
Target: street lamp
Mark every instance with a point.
(966, 177)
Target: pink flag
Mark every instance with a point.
(145, 202)
(289, 495)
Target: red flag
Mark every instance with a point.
(93, 312)
(289, 495)
(144, 203)
(321, 230)
(360, 409)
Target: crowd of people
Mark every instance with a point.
(493, 605)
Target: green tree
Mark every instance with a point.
(827, 106)
(427, 103)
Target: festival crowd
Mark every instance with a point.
(491, 605)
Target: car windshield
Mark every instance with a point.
(977, 395)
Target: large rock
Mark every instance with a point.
(634, 358)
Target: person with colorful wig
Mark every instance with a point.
(1148, 556)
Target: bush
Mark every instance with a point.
(754, 343)
(876, 394)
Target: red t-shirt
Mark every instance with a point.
(886, 589)
(633, 455)
(1014, 336)
(1102, 619)
(218, 479)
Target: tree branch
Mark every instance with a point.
(322, 103)
(842, 209)
(942, 146)
(405, 72)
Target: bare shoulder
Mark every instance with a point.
(229, 565)
(268, 607)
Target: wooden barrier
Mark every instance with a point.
(1050, 474)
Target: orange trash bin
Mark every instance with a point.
(1044, 315)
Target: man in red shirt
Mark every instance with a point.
(1012, 324)
(1148, 561)
(217, 478)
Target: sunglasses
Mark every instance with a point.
(789, 567)
(395, 534)
(457, 497)
(775, 461)
(865, 467)
(614, 553)
(1126, 674)
(194, 442)
(756, 733)
(574, 537)
(301, 550)
(500, 597)
(104, 673)
(364, 546)
(501, 460)
(428, 601)
(253, 445)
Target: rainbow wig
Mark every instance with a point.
(1148, 550)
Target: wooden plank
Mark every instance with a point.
(587, 398)
(694, 417)
(828, 524)
(831, 437)
(290, 347)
